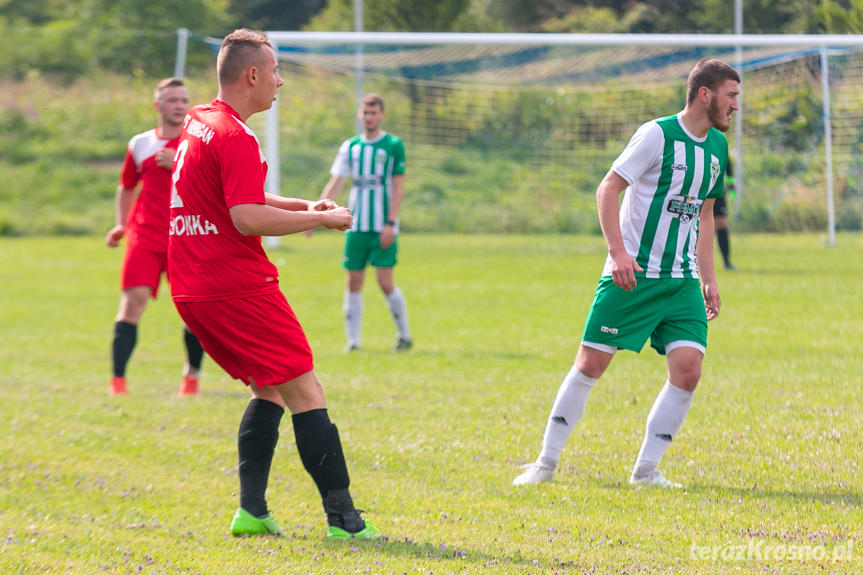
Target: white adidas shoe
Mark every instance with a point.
(653, 478)
(535, 473)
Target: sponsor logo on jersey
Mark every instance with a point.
(678, 167)
(684, 207)
(367, 181)
(606, 329)
(192, 225)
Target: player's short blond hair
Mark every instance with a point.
(239, 50)
(165, 84)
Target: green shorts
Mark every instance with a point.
(668, 311)
(363, 248)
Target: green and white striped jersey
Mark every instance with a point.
(670, 173)
(371, 165)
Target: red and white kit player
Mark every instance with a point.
(227, 291)
(142, 218)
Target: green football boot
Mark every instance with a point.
(369, 531)
(244, 523)
(344, 520)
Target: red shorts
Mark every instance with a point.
(256, 339)
(143, 267)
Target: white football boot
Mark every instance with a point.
(653, 478)
(535, 473)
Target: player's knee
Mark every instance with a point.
(686, 376)
(303, 393)
(355, 281)
(592, 362)
(131, 309)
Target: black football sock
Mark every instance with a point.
(321, 450)
(194, 351)
(724, 245)
(341, 512)
(256, 442)
(125, 337)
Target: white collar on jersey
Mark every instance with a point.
(378, 139)
(686, 130)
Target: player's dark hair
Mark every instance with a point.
(709, 74)
(240, 49)
(372, 99)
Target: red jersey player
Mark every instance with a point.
(143, 220)
(227, 290)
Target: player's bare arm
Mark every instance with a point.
(333, 188)
(608, 206)
(388, 234)
(265, 220)
(124, 200)
(298, 204)
(704, 254)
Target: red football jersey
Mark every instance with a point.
(218, 165)
(147, 222)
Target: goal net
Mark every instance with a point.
(515, 137)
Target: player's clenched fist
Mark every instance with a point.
(338, 219)
(114, 235)
(323, 205)
(165, 158)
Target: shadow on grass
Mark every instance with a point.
(406, 548)
(452, 558)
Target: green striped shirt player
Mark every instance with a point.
(670, 173)
(371, 165)
(375, 163)
(658, 283)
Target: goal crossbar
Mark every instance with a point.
(718, 40)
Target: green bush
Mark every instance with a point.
(797, 217)
(850, 217)
(7, 225)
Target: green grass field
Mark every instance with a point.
(770, 453)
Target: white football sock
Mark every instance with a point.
(567, 410)
(353, 308)
(663, 422)
(399, 311)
